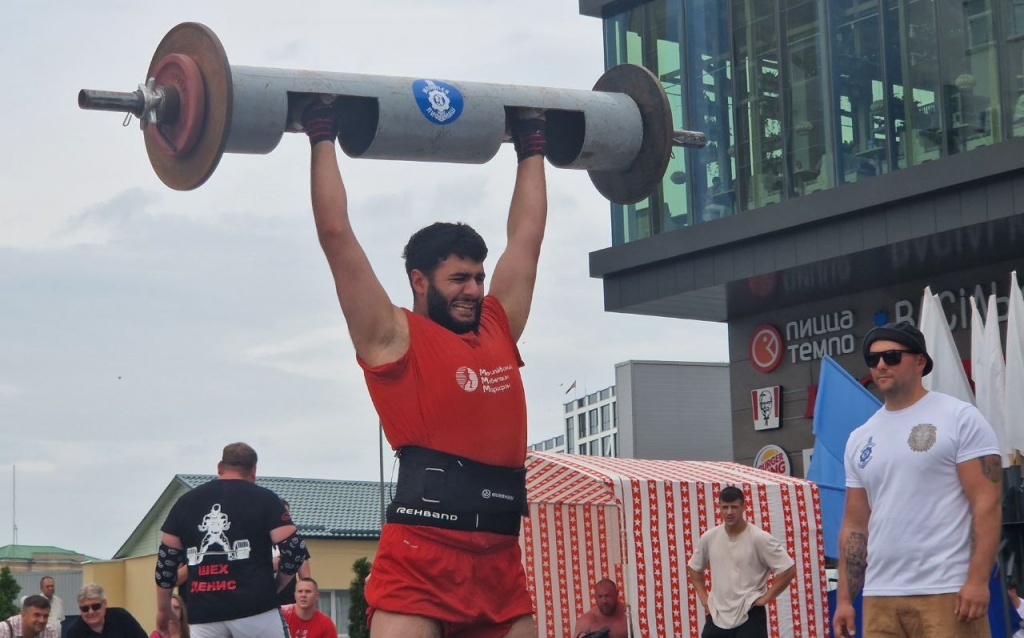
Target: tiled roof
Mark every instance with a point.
(323, 508)
(28, 552)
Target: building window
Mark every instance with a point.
(797, 96)
(606, 446)
(583, 448)
(335, 604)
(595, 425)
(581, 421)
(595, 449)
(606, 418)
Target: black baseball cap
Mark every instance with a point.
(902, 333)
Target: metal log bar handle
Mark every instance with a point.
(194, 107)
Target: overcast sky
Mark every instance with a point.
(144, 328)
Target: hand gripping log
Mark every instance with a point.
(194, 107)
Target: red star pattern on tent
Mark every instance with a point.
(638, 521)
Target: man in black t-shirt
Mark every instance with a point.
(224, 531)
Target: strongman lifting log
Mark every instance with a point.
(194, 107)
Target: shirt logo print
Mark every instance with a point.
(467, 379)
(865, 453)
(922, 437)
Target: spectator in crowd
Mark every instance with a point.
(303, 618)
(48, 589)
(741, 556)
(610, 613)
(31, 622)
(180, 629)
(99, 620)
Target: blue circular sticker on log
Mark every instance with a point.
(439, 102)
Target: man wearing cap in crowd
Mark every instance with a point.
(923, 490)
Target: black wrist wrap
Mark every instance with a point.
(318, 122)
(528, 138)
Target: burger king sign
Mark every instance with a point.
(772, 458)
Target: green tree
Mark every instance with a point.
(357, 600)
(9, 590)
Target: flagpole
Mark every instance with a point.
(14, 505)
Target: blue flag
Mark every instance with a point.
(842, 405)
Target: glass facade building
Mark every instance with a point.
(798, 96)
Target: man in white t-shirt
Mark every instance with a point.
(742, 557)
(48, 588)
(923, 490)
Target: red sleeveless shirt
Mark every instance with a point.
(460, 394)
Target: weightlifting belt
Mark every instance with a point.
(438, 489)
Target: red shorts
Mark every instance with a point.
(472, 582)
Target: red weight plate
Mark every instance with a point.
(179, 136)
(192, 168)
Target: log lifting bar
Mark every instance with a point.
(194, 107)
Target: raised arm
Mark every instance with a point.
(981, 479)
(516, 271)
(853, 559)
(379, 330)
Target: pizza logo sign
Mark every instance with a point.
(765, 348)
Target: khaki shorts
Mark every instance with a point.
(918, 617)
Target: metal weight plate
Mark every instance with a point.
(640, 179)
(181, 73)
(189, 169)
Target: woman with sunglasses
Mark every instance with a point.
(99, 620)
(179, 611)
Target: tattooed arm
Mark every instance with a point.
(981, 479)
(853, 559)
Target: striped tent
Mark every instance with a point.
(636, 521)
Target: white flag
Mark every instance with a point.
(947, 374)
(977, 344)
(989, 373)
(1014, 413)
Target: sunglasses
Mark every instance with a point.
(88, 608)
(891, 357)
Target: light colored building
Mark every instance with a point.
(40, 558)
(673, 410)
(590, 424)
(655, 410)
(555, 445)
